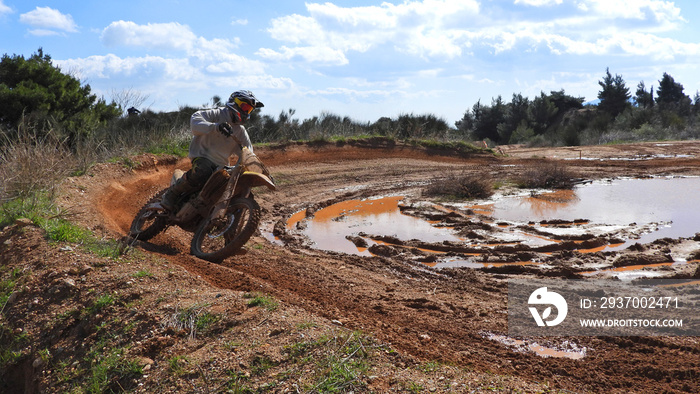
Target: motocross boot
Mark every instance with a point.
(176, 191)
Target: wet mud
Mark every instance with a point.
(440, 292)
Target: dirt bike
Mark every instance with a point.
(223, 215)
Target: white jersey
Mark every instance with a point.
(208, 142)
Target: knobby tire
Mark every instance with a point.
(218, 239)
(146, 224)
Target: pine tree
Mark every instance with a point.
(669, 91)
(35, 87)
(614, 98)
(643, 98)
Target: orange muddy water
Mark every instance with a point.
(667, 205)
(330, 226)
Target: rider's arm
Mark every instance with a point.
(203, 122)
(241, 135)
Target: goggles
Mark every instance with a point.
(245, 107)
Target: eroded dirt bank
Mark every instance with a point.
(426, 314)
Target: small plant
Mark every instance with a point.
(11, 345)
(232, 345)
(262, 300)
(176, 365)
(100, 303)
(193, 319)
(205, 320)
(344, 365)
(305, 325)
(143, 274)
(7, 287)
(260, 364)
(128, 163)
(430, 366)
(111, 371)
(236, 383)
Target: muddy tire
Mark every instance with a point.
(215, 240)
(147, 224)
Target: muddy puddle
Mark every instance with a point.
(564, 350)
(668, 204)
(330, 227)
(524, 230)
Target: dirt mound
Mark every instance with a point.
(431, 329)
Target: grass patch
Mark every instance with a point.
(337, 362)
(177, 364)
(143, 274)
(168, 146)
(40, 209)
(194, 319)
(12, 343)
(127, 162)
(100, 303)
(261, 300)
(110, 371)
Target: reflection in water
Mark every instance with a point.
(331, 225)
(547, 204)
(618, 202)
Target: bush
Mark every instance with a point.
(548, 176)
(461, 187)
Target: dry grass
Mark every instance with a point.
(30, 166)
(461, 187)
(548, 176)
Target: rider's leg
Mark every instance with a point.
(192, 181)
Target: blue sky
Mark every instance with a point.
(363, 59)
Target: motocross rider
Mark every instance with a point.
(218, 134)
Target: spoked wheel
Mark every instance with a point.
(217, 239)
(148, 222)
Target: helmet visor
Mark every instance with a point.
(245, 107)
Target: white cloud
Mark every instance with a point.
(318, 54)
(424, 28)
(112, 66)
(214, 56)
(664, 12)
(153, 35)
(242, 22)
(4, 9)
(446, 29)
(538, 3)
(46, 19)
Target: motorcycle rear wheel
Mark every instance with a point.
(148, 222)
(220, 238)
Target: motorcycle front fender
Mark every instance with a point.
(251, 179)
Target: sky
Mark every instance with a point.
(363, 59)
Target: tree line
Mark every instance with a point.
(38, 98)
(560, 119)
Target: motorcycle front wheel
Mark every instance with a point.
(148, 222)
(219, 238)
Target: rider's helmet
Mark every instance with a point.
(243, 102)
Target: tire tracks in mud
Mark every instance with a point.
(423, 313)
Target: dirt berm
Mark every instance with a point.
(416, 328)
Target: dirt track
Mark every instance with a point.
(426, 314)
